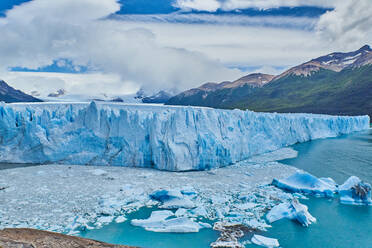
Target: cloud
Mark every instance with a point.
(201, 5)
(303, 23)
(90, 84)
(239, 46)
(40, 32)
(349, 25)
(228, 5)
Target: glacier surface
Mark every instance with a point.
(160, 137)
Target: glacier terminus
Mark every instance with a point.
(154, 136)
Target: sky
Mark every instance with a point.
(117, 47)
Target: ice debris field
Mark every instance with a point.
(71, 199)
(160, 137)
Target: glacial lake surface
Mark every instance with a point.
(340, 226)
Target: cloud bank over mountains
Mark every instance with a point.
(140, 51)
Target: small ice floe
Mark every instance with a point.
(120, 219)
(99, 172)
(165, 221)
(302, 182)
(292, 210)
(355, 192)
(230, 233)
(104, 220)
(173, 199)
(264, 241)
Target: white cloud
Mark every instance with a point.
(304, 23)
(240, 46)
(91, 84)
(349, 25)
(201, 5)
(213, 5)
(135, 52)
(37, 33)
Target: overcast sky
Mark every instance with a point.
(117, 47)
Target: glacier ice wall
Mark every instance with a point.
(161, 137)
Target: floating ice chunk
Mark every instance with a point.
(181, 212)
(120, 219)
(99, 172)
(172, 199)
(104, 220)
(245, 206)
(259, 225)
(164, 221)
(292, 210)
(302, 182)
(264, 241)
(355, 192)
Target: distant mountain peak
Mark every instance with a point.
(254, 79)
(365, 48)
(58, 93)
(334, 62)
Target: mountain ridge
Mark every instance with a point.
(8, 94)
(337, 83)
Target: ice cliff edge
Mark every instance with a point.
(161, 137)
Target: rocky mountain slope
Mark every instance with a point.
(9, 94)
(338, 83)
(210, 93)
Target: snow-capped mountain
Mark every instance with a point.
(337, 83)
(160, 97)
(334, 62)
(58, 93)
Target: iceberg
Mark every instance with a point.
(164, 221)
(173, 138)
(302, 182)
(264, 241)
(292, 210)
(172, 199)
(355, 192)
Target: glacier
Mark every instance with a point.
(173, 138)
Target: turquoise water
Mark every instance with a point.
(338, 226)
(125, 233)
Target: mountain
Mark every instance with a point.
(160, 97)
(9, 94)
(58, 93)
(215, 95)
(333, 62)
(338, 83)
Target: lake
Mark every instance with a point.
(338, 225)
